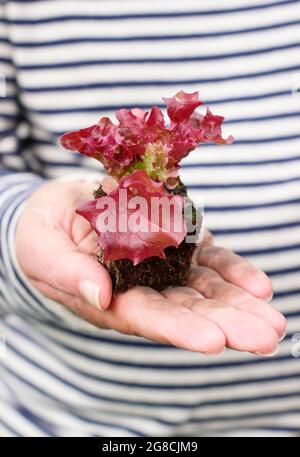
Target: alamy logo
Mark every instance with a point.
(155, 214)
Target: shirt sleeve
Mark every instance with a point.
(13, 126)
(17, 183)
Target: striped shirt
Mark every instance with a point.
(65, 64)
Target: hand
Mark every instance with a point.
(222, 305)
(54, 246)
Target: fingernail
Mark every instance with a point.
(216, 354)
(91, 292)
(270, 298)
(270, 354)
(282, 338)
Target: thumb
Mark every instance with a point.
(80, 275)
(55, 261)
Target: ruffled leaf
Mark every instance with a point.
(144, 235)
(142, 141)
(182, 105)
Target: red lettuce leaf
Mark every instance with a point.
(142, 141)
(126, 241)
(182, 105)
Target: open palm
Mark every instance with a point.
(223, 304)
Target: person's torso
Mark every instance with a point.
(77, 61)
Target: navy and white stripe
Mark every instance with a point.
(67, 63)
